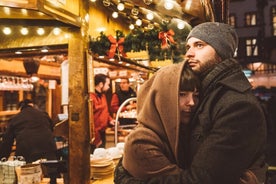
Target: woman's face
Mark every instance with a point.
(187, 102)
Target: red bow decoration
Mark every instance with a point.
(116, 45)
(166, 38)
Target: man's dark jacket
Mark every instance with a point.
(32, 131)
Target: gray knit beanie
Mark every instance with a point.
(222, 37)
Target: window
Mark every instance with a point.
(251, 19)
(273, 12)
(232, 20)
(251, 47)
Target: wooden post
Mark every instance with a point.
(79, 133)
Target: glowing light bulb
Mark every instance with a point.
(121, 6)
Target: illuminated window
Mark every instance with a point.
(251, 19)
(232, 20)
(251, 47)
(273, 11)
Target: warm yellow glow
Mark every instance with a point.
(188, 5)
(115, 15)
(7, 10)
(18, 52)
(131, 26)
(24, 11)
(101, 29)
(44, 49)
(168, 4)
(24, 31)
(40, 31)
(56, 31)
(138, 22)
(180, 24)
(7, 31)
(121, 6)
(150, 16)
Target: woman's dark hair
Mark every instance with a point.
(100, 78)
(189, 81)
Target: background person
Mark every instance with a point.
(157, 145)
(32, 130)
(101, 115)
(122, 94)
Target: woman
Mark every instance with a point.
(165, 104)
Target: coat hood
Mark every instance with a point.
(157, 104)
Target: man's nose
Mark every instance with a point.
(189, 52)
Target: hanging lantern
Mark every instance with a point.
(31, 67)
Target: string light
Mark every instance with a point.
(150, 16)
(24, 31)
(131, 26)
(180, 24)
(138, 22)
(40, 31)
(121, 6)
(168, 4)
(115, 15)
(7, 31)
(56, 31)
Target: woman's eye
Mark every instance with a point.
(181, 94)
(195, 94)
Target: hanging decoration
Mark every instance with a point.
(135, 41)
(116, 45)
(99, 45)
(161, 44)
(166, 38)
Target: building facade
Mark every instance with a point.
(255, 22)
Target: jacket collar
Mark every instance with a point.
(227, 73)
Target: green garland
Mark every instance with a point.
(139, 40)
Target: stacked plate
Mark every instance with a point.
(101, 167)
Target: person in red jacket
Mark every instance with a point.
(101, 113)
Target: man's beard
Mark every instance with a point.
(208, 65)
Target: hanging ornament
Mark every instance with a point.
(148, 2)
(135, 11)
(116, 46)
(106, 3)
(166, 38)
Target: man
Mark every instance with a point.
(32, 130)
(101, 114)
(122, 94)
(228, 132)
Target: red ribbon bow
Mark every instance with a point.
(116, 45)
(166, 38)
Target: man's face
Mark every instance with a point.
(106, 86)
(124, 85)
(200, 55)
